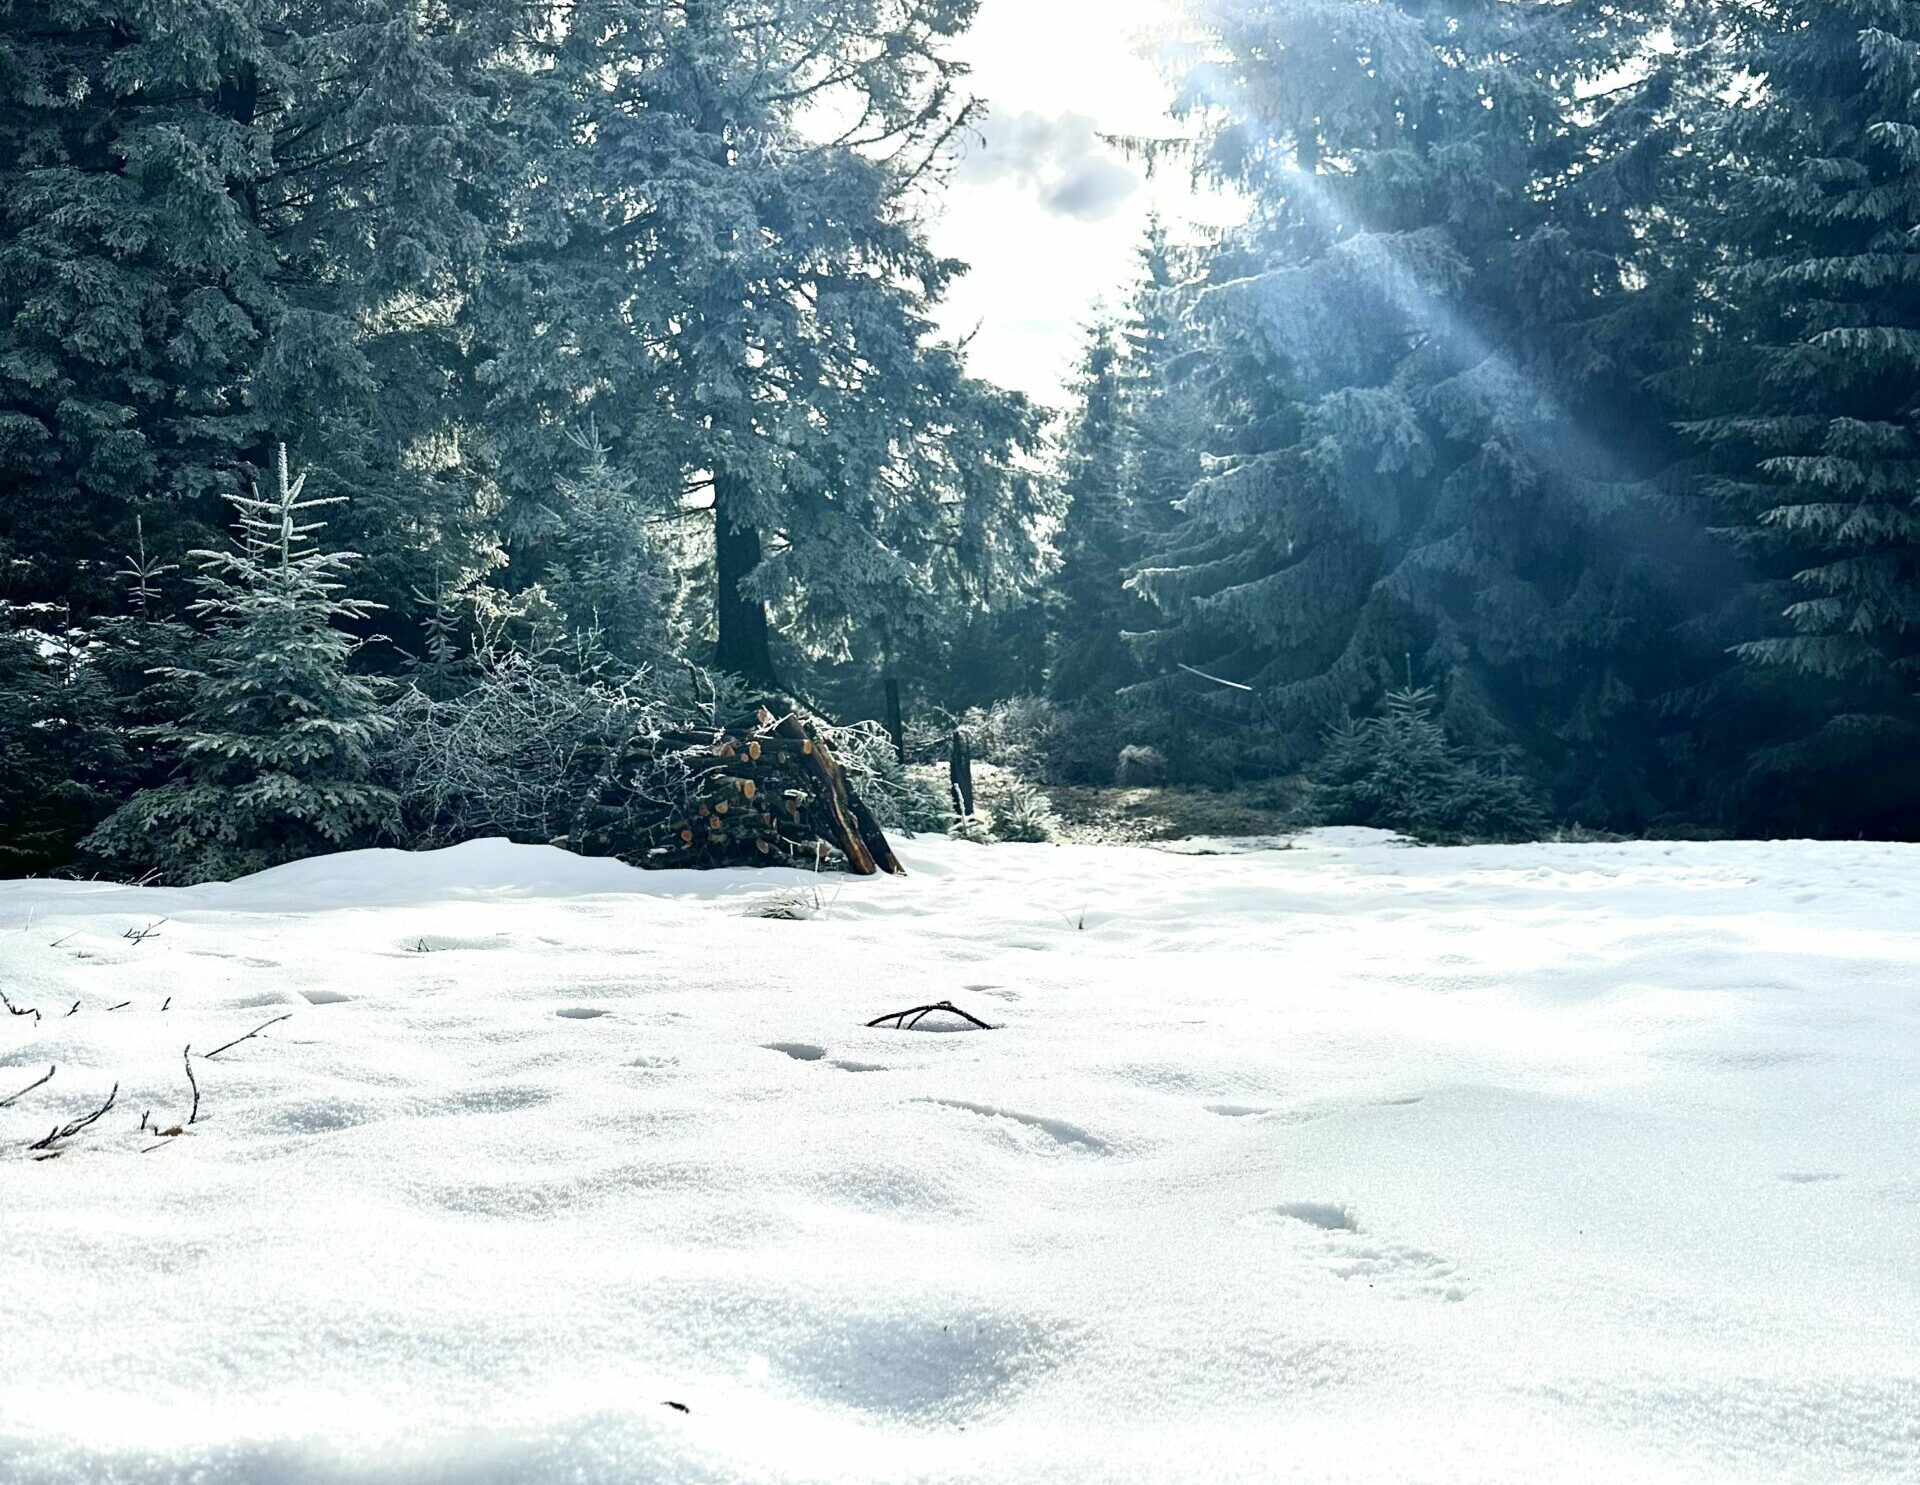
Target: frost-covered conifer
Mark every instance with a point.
(275, 746)
(1811, 399)
(1421, 438)
(63, 760)
(1398, 770)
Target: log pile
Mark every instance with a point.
(764, 791)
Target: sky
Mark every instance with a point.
(1049, 214)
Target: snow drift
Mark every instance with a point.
(1348, 1162)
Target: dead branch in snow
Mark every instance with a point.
(19, 1010)
(65, 1131)
(12, 1099)
(901, 1023)
(248, 1037)
(186, 1061)
(141, 935)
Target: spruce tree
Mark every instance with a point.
(745, 309)
(612, 556)
(220, 218)
(276, 745)
(1810, 413)
(66, 759)
(1417, 432)
(1399, 771)
(1089, 659)
(1166, 413)
(1130, 455)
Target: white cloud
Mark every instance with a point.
(1061, 161)
(1048, 212)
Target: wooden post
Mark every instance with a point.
(960, 772)
(896, 724)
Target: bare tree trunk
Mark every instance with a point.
(741, 621)
(896, 723)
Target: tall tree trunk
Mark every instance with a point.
(741, 620)
(896, 723)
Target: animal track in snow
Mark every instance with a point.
(581, 1012)
(1058, 1130)
(847, 1064)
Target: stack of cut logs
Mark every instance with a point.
(762, 792)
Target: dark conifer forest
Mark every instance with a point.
(390, 392)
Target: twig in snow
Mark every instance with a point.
(901, 1023)
(141, 935)
(16, 1097)
(120, 1007)
(63, 1131)
(248, 1037)
(17, 1010)
(167, 1002)
(71, 1009)
(186, 1060)
(61, 940)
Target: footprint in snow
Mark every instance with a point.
(1238, 1110)
(1266, 1113)
(1403, 1272)
(1321, 1214)
(1058, 1130)
(1352, 1255)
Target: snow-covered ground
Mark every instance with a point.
(1343, 1163)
